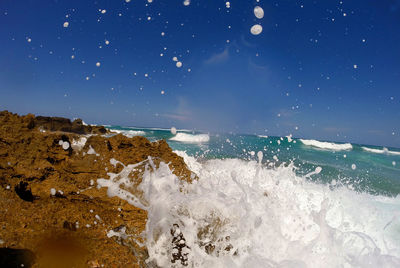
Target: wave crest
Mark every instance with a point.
(380, 151)
(190, 138)
(242, 214)
(328, 145)
(129, 133)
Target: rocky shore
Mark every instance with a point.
(51, 212)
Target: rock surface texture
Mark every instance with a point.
(51, 212)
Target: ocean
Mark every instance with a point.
(272, 202)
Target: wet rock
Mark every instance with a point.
(49, 201)
(24, 192)
(180, 250)
(10, 257)
(65, 125)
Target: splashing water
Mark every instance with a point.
(242, 214)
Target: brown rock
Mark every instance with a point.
(53, 123)
(69, 229)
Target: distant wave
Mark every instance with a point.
(189, 138)
(327, 145)
(129, 133)
(380, 151)
(158, 128)
(263, 136)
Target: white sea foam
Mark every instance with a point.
(190, 138)
(79, 144)
(129, 133)
(380, 151)
(241, 214)
(327, 145)
(92, 151)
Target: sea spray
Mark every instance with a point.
(242, 214)
(189, 138)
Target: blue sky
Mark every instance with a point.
(326, 70)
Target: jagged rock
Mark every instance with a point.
(49, 203)
(53, 123)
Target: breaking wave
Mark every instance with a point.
(130, 133)
(380, 151)
(327, 145)
(190, 138)
(242, 214)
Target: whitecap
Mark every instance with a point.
(241, 214)
(327, 145)
(380, 151)
(190, 138)
(129, 133)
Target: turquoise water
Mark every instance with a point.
(364, 168)
(275, 201)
